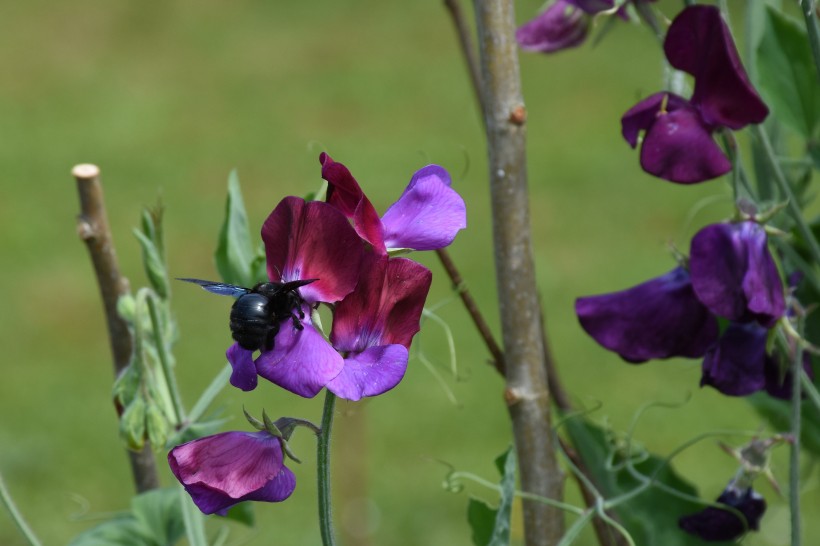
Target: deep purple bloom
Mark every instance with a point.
(660, 318)
(303, 240)
(374, 325)
(716, 524)
(678, 143)
(225, 469)
(734, 274)
(427, 216)
(738, 364)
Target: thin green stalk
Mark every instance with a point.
(165, 363)
(5, 496)
(810, 389)
(323, 467)
(807, 7)
(794, 457)
(792, 205)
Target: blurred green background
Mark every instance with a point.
(168, 97)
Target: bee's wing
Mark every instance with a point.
(221, 288)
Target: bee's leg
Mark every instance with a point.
(296, 322)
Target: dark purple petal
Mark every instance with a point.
(736, 365)
(345, 194)
(560, 26)
(778, 383)
(219, 471)
(660, 318)
(734, 274)
(276, 490)
(312, 240)
(678, 147)
(641, 116)
(428, 214)
(372, 372)
(244, 370)
(386, 306)
(699, 42)
(302, 361)
(716, 524)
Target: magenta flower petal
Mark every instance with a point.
(221, 470)
(345, 194)
(386, 306)
(244, 370)
(560, 26)
(715, 524)
(312, 240)
(734, 274)
(660, 318)
(302, 361)
(428, 214)
(699, 42)
(374, 371)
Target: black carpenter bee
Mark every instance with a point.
(258, 312)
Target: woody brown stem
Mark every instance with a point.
(92, 228)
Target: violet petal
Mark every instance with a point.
(374, 371)
(716, 524)
(244, 370)
(560, 26)
(660, 318)
(428, 214)
(312, 240)
(736, 364)
(734, 274)
(699, 42)
(302, 361)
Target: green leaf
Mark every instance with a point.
(154, 264)
(501, 531)
(651, 517)
(482, 521)
(787, 75)
(122, 530)
(235, 254)
(132, 424)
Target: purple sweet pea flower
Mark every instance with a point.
(678, 143)
(374, 325)
(427, 216)
(225, 469)
(303, 240)
(738, 364)
(660, 318)
(734, 274)
(716, 524)
(561, 26)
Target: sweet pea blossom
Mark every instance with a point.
(222, 470)
(734, 274)
(303, 240)
(717, 524)
(561, 26)
(374, 325)
(678, 145)
(427, 215)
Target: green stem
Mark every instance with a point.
(5, 496)
(794, 458)
(807, 7)
(792, 205)
(810, 389)
(323, 467)
(165, 363)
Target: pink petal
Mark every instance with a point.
(312, 240)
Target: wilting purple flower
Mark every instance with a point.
(660, 318)
(427, 216)
(716, 524)
(734, 274)
(678, 143)
(374, 325)
(561, 26)
(738, 364)
(303, 240)
(225, 469)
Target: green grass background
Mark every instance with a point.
(168, 97)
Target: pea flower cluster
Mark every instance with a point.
(731, 275)
(343, 247)
(678, 144)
